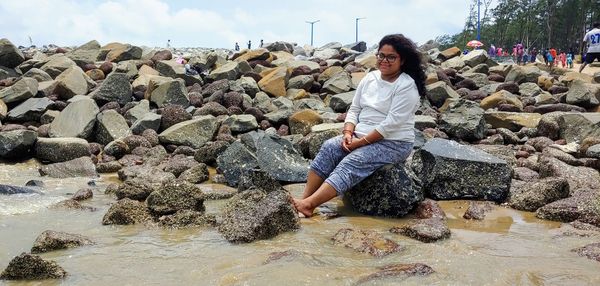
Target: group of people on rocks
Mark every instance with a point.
(237, 46)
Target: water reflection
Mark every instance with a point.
(507, 248)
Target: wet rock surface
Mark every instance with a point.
(32, 267)
(365, 241)
(424, 230)
(257, 214)
(51, 240)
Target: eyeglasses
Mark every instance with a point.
(390, 58)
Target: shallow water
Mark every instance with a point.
(507, 248)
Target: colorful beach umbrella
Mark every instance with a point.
(474, 44)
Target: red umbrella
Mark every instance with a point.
(474, 44)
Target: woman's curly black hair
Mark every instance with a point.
(412, 58)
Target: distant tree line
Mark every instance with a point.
(560, 24)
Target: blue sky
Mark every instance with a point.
(219, 24)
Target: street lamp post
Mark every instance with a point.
(312, 23)
(478, 27)
(357, 27)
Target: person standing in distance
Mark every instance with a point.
(378, 129)
(593, 40)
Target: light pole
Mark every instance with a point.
(312, 23)
(357, 27)
(478, 27)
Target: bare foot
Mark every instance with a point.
(303, 208)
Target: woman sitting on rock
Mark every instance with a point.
(378, 129)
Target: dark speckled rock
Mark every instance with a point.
(584, 206)
(235, 159)
(450, 170)
(397, 271)
(425, 230)
(391, 191)
(477, 210)
(125, 212)
(364, 241)
(534, 195)
(257, 178)
(53, 240)
(175, 196)
(32, 267)
(591, 251)
(429, 208)
(256, 214)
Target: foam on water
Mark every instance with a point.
(26, 203)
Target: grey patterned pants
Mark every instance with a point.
(343, 170)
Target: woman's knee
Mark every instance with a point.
(332, 144)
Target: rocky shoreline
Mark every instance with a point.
(526, 137)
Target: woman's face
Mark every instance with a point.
(389, 61)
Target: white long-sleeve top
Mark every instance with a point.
(388, 107)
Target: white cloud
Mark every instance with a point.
(152, 22)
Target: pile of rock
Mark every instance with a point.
(486, 131)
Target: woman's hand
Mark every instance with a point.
(355, 143)
(346, 141)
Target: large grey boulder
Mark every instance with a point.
(110, 126)
(235, 160)
(438, 92)
(241, 123)
(117, 52)
(522, 74)
(50, 240)
(194, 133)
(176, 196)
(389, 192)
(163, 91)
(339, 83)
(449, 170)
(269, 152)
(138, 111)
(574, 127)
(22, 89)
(230, 71)
(579, 94)
(341, 102)
(56, 64)
(475, 57)
(278, 157)
(80, 167)
(30, 110)
(73, 81)
(258, 214)
(148, 121)
(10, 56)
(61, 149)
(32, 267)
(115, 87)
(16, 143)
(7, 73)
(85, 54)
(76, 120)
(464, 119)
(38, 75)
